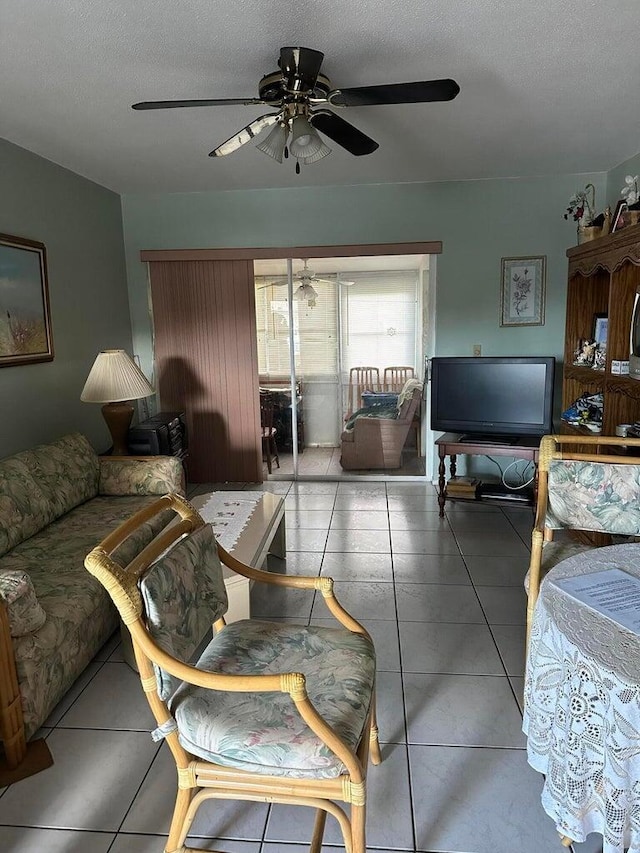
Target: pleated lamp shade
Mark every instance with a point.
(113, 380)
(115, 377)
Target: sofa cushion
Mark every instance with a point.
(157, 475)
(24, 509)
(376, 412)
(23, 608)
(66, 471)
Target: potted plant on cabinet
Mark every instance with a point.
(581, 209)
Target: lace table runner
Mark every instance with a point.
(229, 513)
(582, 708)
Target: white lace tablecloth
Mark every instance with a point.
(582, 708)
(229, 513)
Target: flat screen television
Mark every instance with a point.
(489, 397)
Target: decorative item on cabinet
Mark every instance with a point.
(604, 280)
(582, 209)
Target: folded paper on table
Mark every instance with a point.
(613, 592)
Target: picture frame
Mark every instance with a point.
(522, 291)
(25, 319)
(618, 220)
(600, 324)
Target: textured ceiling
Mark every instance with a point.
(546, 88)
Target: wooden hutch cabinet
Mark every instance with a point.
(603, 277)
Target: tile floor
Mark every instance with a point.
(325, 462)
(444, 601)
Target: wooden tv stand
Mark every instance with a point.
(452, 444)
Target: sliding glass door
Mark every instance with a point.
(319, 324)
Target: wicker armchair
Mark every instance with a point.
(597, 495)
(271, 712)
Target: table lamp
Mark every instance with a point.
(113, 380)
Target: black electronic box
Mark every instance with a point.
(164, 434)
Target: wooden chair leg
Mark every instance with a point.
(318, 831)
(275, 452)
(358, 842)
(183, 801)
(267, 452)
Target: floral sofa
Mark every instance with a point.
(56, 502)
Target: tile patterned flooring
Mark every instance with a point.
(325, 462)
(444, 602)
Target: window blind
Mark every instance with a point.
(379, 314)
(315, 331)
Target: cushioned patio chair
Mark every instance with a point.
(595, 494)
(270, 712)
(376, 436)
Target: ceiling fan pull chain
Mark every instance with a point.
(297, 167)
(286, 152)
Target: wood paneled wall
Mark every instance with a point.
(207, 364)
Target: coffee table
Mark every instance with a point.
(263, 534)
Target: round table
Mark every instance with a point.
(582, 708)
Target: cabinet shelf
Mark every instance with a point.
(603, 277)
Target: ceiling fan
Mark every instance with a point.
(304, 278)
(299, 92)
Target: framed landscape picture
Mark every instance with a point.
(522, 291)
(25, 324)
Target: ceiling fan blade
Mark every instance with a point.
(246, 134)
(301, 66)
(395, 93)
(345, 134)
(207, 102)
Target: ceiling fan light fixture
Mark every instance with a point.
(274, 143)
(320, 153)
(305, 141)
(308, 293)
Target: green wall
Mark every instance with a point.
(478, 221)
(80, 224)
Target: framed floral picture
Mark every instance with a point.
(25, 325)
(522, 291)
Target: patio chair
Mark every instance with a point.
(270, 712)
(594, 494)
(393, 378)
(267, 429)
(360, 379)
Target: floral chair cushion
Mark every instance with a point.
(263, 732)
(594, 496)
(184, 594)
